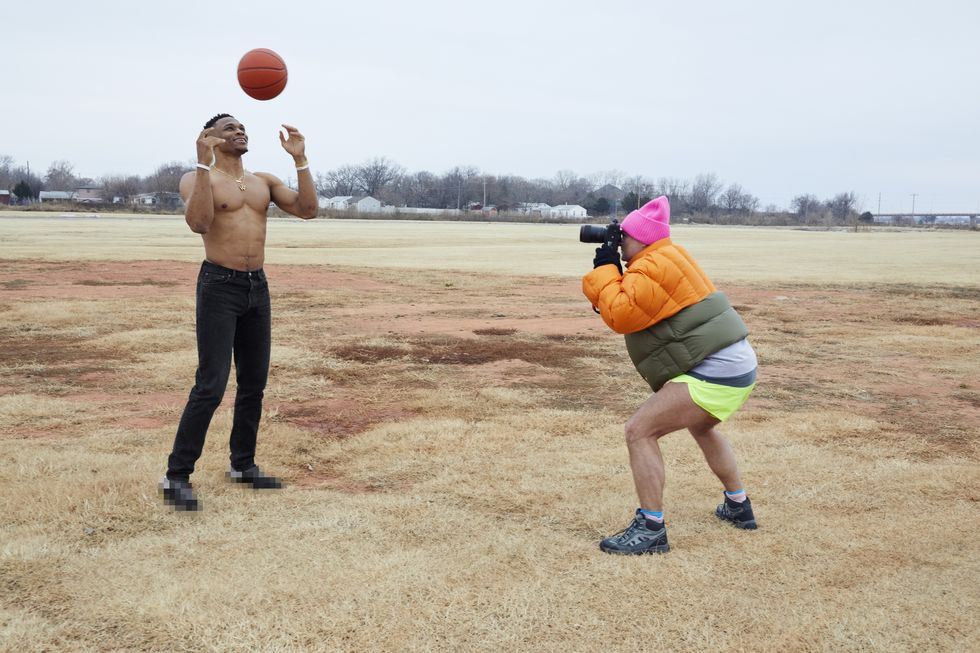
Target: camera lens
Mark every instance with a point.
(590, 233)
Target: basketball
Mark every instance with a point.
(262, 74)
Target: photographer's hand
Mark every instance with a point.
(607, 255)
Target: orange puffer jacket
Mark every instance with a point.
(660, 281)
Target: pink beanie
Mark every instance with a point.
(650, 222)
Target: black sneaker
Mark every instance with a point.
(254, 477)
(739, 514)
(641, 536)
(179, 494)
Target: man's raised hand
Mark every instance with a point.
(295, 145)
(205, 146)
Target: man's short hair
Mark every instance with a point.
(218, 117)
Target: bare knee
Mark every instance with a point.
(637, 430)
(700, 432)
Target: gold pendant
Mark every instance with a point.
(242, 186)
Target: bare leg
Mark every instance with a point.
(668, 410)
(719, 456)
(648, 472)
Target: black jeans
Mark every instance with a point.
(234, 317)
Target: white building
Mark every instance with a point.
(88, 194)
(414, 210)
(359, 203)
(567, 211)
(533, 208)
(55, 196)
(159, 199)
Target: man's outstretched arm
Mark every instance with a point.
(302, 204)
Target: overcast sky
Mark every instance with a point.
(781, 97)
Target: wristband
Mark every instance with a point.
(204, 167)
(305, 166)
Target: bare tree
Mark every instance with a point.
(806, 206)
(639, 186)
(60, 176)
(121, 186)
(749, 203)
(322, 185)
(671, 187)
(842, 205)
(7, 180)
(456, 189)
(166, 178)
(374, 175)
(704, 190)
(342, 181)
(731, 198)
(735, 200)
(610, 177)
(563, 180)
(421, 189)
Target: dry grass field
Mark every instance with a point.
(448, 411)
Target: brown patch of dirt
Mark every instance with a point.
(494, 331)
(447, 350)
(62, 359)
(97, 279)
(341, 418)
(922, 320)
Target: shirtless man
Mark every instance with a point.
(227, 205)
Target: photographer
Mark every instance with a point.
(690, 346)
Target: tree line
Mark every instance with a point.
(27, 184)
(705, 196)
(611, 192)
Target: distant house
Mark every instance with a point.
(160, 200)
(533, 208)
(336, 203)
(359, 203)
(89, 194)
(55, 196)
(414, 210)
(4, 197)
(567, 211)
(610, 192)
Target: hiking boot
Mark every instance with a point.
(179, 494)
(641, 536)
(739, 514)
(254, 477)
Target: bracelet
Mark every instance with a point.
(305, 166)
(204, 167)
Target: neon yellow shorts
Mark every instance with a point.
(719, 400)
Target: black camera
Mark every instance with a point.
(612, 234)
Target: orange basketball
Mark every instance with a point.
(262, 74)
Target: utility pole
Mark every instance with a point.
(879, 204)
(484, 193)
(913, 207)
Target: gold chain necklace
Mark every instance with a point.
(240, 181)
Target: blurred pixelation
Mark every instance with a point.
(254, 477)
(179, 495)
